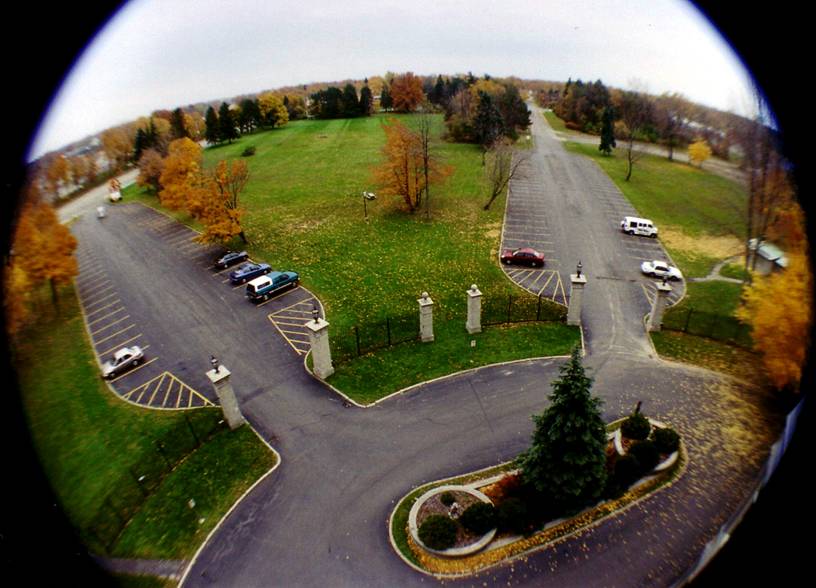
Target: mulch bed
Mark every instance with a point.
(434, 506)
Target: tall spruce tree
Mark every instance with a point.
(226, 123)
(566, 462)
(211, 131)
(177, 128)
(607, 132)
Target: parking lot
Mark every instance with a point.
(136, 240)
(534, 218)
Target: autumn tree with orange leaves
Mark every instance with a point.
(409, 166)
(181, 178)
(220, 210)
(406, 92)
(42, 252)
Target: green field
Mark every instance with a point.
(113, 464)
(304, 212)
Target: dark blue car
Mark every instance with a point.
(249, 271)
(231, 258)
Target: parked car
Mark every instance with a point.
(660, 269)
(265, 286)
(123, 359)
(633, 225)
(249, 271)
(523, 256)
(231, 258)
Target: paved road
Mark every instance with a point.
(320, 519)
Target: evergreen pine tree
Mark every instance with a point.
(607, 132)
(349, 103)
(226, 124)
(366, 101)
(566, 462)
(211, 132)
(385, 98)
(488, 124)
(177, 128)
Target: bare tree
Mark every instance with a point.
(636, 113)
(503, 164)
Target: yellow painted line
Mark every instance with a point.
(303, 324)
(88, 277)
(540, 275)
(284, 293)
(122, 344)
(134, 370)
(293, 332)
(547, 283)
(561, 285)
(294, 305)
(115, 334)
(117, 301)
(167, 392)
(102, 318)
(178, 400)
(124, 318)
(156, 389)
(98, 301)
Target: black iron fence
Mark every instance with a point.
(365, 338)
(127, 494)
(706, 324)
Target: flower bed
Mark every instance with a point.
(500, 484)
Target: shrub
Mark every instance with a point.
(447, 498)
(666, 440)
(249, 151)
(479, 518)
(636, 426)
(627, 470)
(512, 515)
(647, 455)
(438, 532)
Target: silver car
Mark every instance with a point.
(123, 359)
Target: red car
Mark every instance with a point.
(524, 256)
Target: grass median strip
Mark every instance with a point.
(120, 471)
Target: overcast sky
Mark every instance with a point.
(166, 53)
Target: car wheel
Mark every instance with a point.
(506, 261)
(136, 362)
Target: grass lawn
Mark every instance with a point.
(698, 212)
(304, 212)
(375, 375)
(94, 448)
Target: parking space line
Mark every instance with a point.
(94, 289)
(134, 370)
(110, 314)
(100, 300)
(115, 302)
(124, 318)
(95, 293)
(122, 344)
(115, 334)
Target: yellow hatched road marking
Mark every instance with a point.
(167, 393)
(547, 283)
(292, 306)
(561, 286)
(156, 383)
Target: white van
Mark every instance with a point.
(638, 226)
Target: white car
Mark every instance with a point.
(123, 359)
(660, 269)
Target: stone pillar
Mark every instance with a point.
(474, 309)
(220, 378)
(658, 306)
(321, 352)
(425, 318)
(577, 281)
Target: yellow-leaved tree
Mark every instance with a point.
(778, 308)
(220, 211)
(699, 152)
(181, 176)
